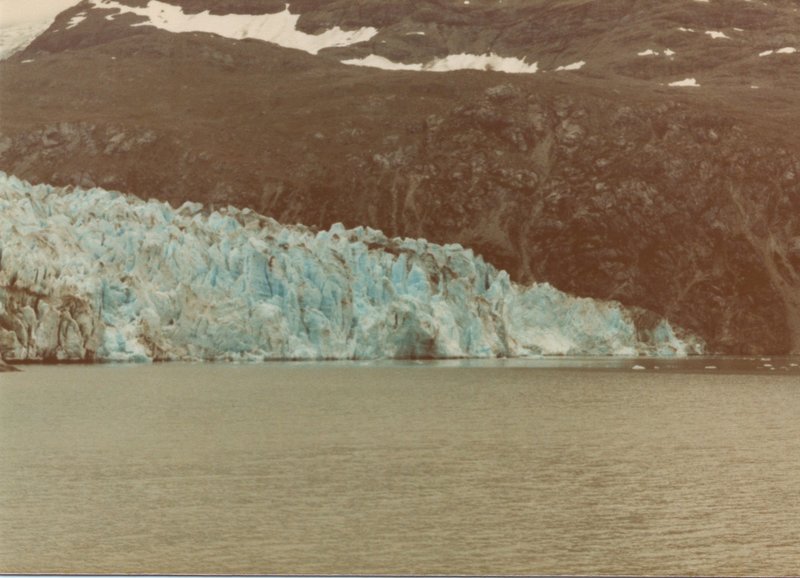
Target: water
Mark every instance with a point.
(505, 467)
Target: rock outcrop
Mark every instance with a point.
(4, 367)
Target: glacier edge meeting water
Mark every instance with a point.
(88, 274)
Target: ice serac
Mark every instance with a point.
(98, 275)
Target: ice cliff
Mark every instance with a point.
(98, 275)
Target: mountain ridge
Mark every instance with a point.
(605, 181)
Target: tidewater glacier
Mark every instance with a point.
(88, 274)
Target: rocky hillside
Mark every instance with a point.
(663, 171)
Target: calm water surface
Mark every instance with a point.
(402, 468)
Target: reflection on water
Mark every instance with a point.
(452, 467)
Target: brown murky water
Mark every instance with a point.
(339, 468)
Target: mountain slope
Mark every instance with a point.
(604, 181)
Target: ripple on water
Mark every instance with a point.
(402, 468)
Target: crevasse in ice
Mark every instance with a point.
(93, 274)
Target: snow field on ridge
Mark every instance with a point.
(279, 28)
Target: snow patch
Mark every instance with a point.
(574, 66)
(786, 50)
(685, 82)
(452, 62)
(279, 28)
(716, 34)
(651, 52)
(375, 61)
(75, 20)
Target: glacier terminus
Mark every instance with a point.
(94, 275)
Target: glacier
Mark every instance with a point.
(21, 22)
(94, 275)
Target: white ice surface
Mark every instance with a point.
(23, 20)
(16, 38)
(279, 28)
(85, 271)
